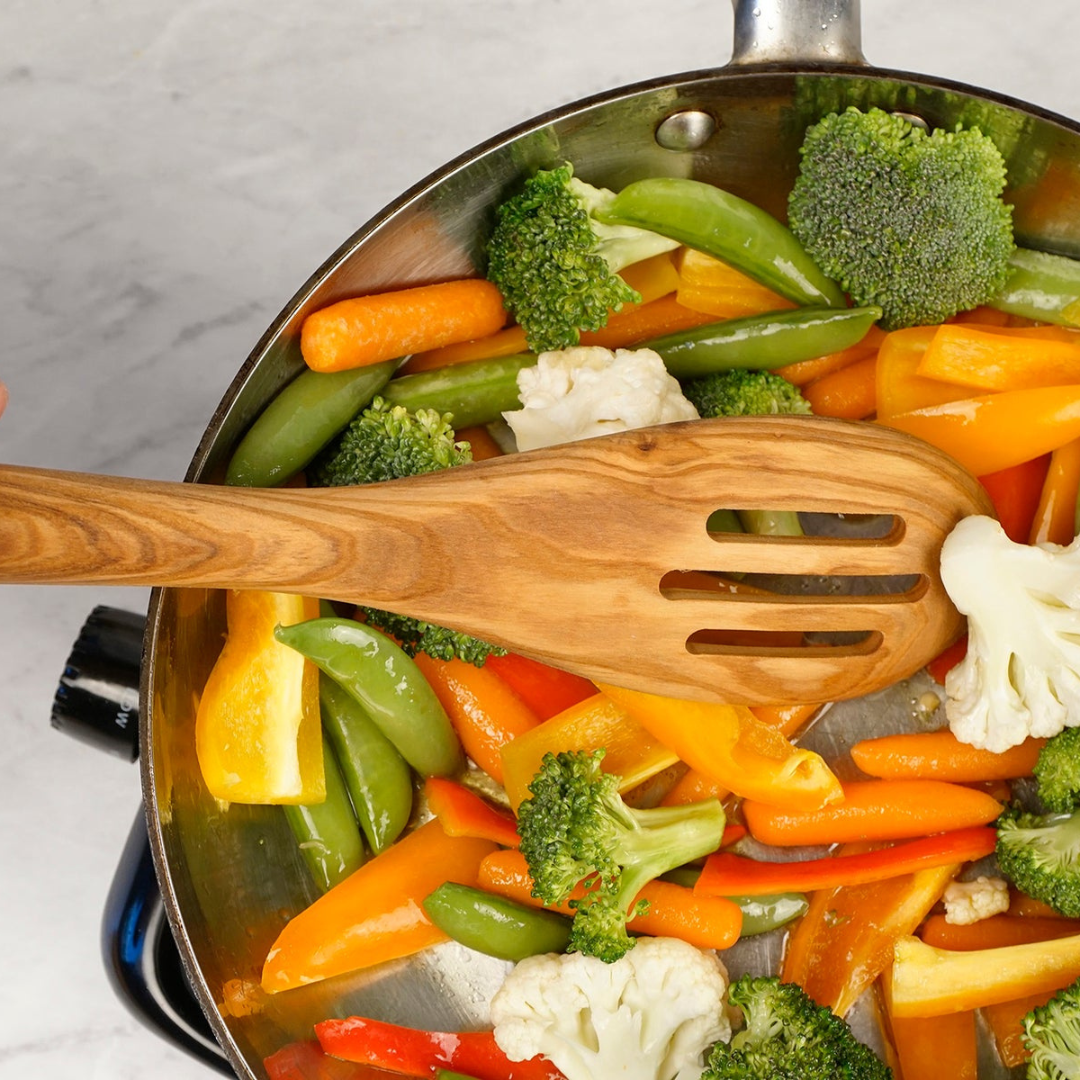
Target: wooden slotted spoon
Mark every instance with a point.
(574, 555)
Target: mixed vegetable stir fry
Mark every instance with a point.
(610, 845)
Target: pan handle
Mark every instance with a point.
(797, 31)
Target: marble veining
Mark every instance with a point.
(170, 173)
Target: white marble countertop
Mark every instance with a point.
(172, 172)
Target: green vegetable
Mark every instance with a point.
(474, 393)
(1057, 771)
(745, 392)
(788, 1036)
(1052, 1036)
(388, 685)
(494, 925)
(1040, 855)
(909, 221)
(388, 442)
(708, 219)
(575, 826)
(375, 774)
(327, 832)
(300, 421)
(556, 265)
(1042, 287)
(763, 341)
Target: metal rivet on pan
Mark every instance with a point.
(689, 129)
(913, 120)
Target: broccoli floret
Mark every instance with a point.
(788, 1036)
(907, 220)
(743, 392)
(576, 828)
(387, 442)
(1040, 855)
(1052, 1036)
(1057, 771)
(555, 265)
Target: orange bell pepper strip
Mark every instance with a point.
(707, 922)
(846, 938)
(730, 744)
(258, 735)
(1005, 1019)
(850, 393)
(874, 810)
(940, 755)
(725, 874)
(994, 431)
(464, 813)
(1016, 493)
(1055, 518)
(1003, 358)
(597, 722)
(376, 913)
(900, 389)
(693, 785)
(545, 689)
(412, 1052)
(485, 712)
(930, 1047)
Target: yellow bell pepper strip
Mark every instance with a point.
(846, 939)
(376, 914)
(712, 286)
(900, 388)
(1002, 358)
(873, 810)
(994, 431)
(258, 736)
(1055, 517)
(730, 744)
(632, 753)
(927, 981)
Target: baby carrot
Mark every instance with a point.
(940, 755)
(804, 372)
(370, 329)
(874, 810)
(485, 712)
(709, 922)
(480, 440)
(850, 393)
(996, 932)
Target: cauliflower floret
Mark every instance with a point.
(969, 902)
(647, 1016)
(578, 393)
(1021, 675)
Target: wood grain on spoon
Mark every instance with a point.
(560, 553)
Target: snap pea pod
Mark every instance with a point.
(303, 417)
(474, 393)
(709, 219)
(387, 683)
(377, 777)
(494, 925)
(1041, 286)
(327, 832)
(763, 341)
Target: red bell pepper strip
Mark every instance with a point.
(1015, 493)
(464, 813)
(945, 661)
(545, 689)
(413, 1052)
(308, 1061)
(725, 874)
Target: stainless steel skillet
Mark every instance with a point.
(229, 878)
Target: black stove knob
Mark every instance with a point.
(97, 700)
